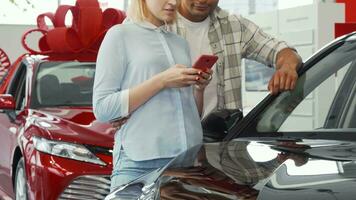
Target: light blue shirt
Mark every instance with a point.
(166, 124)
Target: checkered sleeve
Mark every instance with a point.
(258, 45)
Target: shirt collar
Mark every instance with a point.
(218, 14)
(147, 25)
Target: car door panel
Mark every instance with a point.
(9, 125)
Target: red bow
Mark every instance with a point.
(81, 41)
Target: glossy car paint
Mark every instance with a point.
(234, 173)
(7, 102)
(48, 175)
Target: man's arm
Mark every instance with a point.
(287, 64)
(263, 48)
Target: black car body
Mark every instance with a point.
(299, 144)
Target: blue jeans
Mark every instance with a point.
(126, 170)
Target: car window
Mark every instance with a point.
(343, 109)
(311, 113)
(17, 86)
(257, 76)
(63, 84)
(324, 97)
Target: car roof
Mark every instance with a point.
(42, 58)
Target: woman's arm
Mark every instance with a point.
(110, 101)
(175, 77)
(201, 82)
(199, 100)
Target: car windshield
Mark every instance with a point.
(324, 98)
(63, 84)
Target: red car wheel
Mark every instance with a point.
(20, 181)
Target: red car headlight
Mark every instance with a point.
(66, 150)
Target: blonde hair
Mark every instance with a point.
(137, 11)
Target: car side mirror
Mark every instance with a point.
(217, 123)
(7, 102)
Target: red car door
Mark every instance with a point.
(10, 122)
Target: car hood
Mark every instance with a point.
(77, 125)
(257, 169)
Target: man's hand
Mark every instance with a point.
(117, 124)
(285, 77)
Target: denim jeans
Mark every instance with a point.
(126, 170)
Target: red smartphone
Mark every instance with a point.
(205, 62)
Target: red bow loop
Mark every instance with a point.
(89, 24)
(41, 23)
(63, 40)
(112, 16)
(44, 49)
(61, 13)
(4, 61)
(87, 3)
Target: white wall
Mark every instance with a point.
(10, 39)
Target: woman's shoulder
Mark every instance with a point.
(120, 28)
(119, 31)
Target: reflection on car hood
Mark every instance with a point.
(73, 125)
(260, 169)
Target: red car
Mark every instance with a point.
(51, 146)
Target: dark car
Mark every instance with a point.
(299, 144)
(51, 145)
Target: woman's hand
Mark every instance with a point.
(204, 80)
(179, 76)
(118, 123)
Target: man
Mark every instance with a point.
(211, 30)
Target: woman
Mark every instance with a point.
(142, 72)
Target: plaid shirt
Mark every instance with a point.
(232, 38)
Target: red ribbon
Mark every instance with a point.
(4, 60)
(79, 41)
(4, 67)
